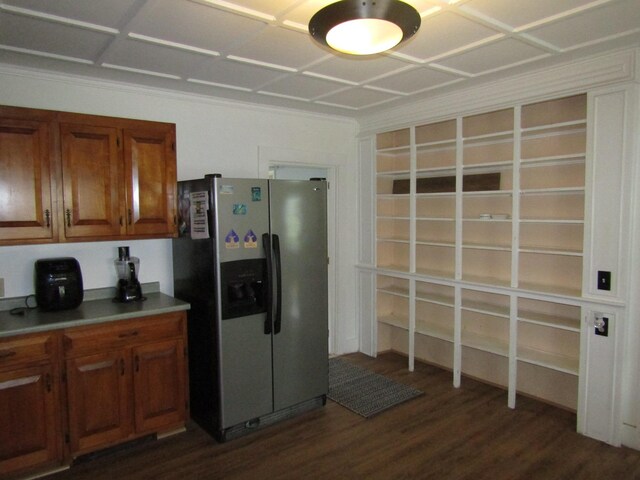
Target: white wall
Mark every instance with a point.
(212, 137)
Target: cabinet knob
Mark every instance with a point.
(68, 214)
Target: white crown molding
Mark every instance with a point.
(572, 77)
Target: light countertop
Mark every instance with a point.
(98, 307)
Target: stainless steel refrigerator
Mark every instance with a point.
(251, 259)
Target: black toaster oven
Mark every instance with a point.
(58, 283)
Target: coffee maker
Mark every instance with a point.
(128, 288)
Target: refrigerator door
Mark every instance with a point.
(300, 341)
(241, 213)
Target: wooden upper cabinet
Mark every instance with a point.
(26, 210)
(150, 178)
(92, 205)
(74, 177)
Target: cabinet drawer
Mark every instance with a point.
(83, 340)
(25, 349)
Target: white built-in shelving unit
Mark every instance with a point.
(486, 279)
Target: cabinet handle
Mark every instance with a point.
(130, 216)
(7, 354)
(47, 215)
(121, 220)
(122, 366)
(137, 363)
(68, 213)
(47, 380)
(175, 220)
(132, 333)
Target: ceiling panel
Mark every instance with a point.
(487, 58)
(111, 13)
(415, 80)
(358, 97)
(51, 38)
(609, 20)
(230, 73)
(301, 87)
(194, 24)
(517, 14)
(155, 58)
(357, 69)
(444, 32)
(260, 50)
(279, 46)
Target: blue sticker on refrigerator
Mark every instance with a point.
(232, 240)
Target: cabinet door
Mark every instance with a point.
(28, 436)
(99, 396)
(25, 181)
(91, 182)
(159, 385)
(150, 173)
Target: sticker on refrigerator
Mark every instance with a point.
(232, 240)
(256, 194)
(199, 205)
(239, 209)
(226, 189)
(250, 240)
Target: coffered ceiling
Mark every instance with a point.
(260, 51)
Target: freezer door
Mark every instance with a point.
(246, 370)
(300, 342)
(241, 217)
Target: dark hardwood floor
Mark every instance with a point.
(448, 433)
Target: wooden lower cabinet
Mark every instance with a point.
(69, 392)
(125, 380)
(159, 385)
(98, 395)
(30, 415)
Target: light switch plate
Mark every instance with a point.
(1, 287)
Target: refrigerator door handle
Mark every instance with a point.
(266, 244)
(277, 324)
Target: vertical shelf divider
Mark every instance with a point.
(457, 336)
(412, 200)
(513, 351)
(515, 197)
(412, 323)
(458, 211)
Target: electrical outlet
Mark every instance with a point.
(1, 287)
(602, 326)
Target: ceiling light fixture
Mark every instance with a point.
(364, 27)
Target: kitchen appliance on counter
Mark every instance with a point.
(58, 283)
(128, 288)
(251, 259)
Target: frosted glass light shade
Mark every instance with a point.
(364, 27)
(364, 36)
